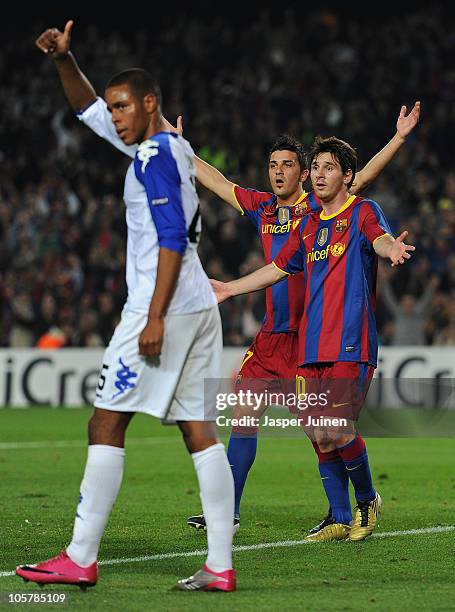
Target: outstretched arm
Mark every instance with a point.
(394, 249)
(405, 125)
(212, 179)
(77, 87)
(208, 175)
(264, 277)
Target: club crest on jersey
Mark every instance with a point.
(322, 236)
(300, 208)
(283, 214)
(146, 150)
(341, 225)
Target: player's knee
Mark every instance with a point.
(107, 427)
(322, 439)
(198, 436)
(98, 430)
(245, 431)
(339, 438)
(196, 443)
(326, 446)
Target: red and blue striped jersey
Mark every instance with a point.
(336, 254)
(285, 300)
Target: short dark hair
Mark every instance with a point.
(345, 155)
(285, 142)
(140, 82)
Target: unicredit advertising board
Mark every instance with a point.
(69, 377)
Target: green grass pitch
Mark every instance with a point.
(42, 454)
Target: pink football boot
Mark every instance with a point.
(208, 580)
(60, 570)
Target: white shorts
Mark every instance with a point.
(171, 386)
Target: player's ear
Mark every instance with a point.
(150, 103)
(348, 176)
(304, 175)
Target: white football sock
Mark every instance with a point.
(99, 488)
(216, 486)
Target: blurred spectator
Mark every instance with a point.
(108, 315)
(22, 334)
(408, 312)
(446, 336)
(54, 338)
(47, 314)
(88, 329)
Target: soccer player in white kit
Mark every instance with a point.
(169, 338)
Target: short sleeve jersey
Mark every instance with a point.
(285, 300)
(336, 256)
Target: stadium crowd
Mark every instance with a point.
(62, 230)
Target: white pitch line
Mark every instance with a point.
(282, 544)
(78, 443)
(391, 534)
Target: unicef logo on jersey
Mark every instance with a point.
(145, 151)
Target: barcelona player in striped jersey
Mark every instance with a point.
(337, 250)
(273, 354)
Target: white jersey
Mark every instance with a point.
(162, 209)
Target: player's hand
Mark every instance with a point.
(406, 123)
(400, 251)
(221, 290)
(55, 43)
(151, 338)
(171, 128)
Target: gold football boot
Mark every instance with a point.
(365, 519)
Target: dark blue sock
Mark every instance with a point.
(241, 455)
(335, 480)
(355, 459)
